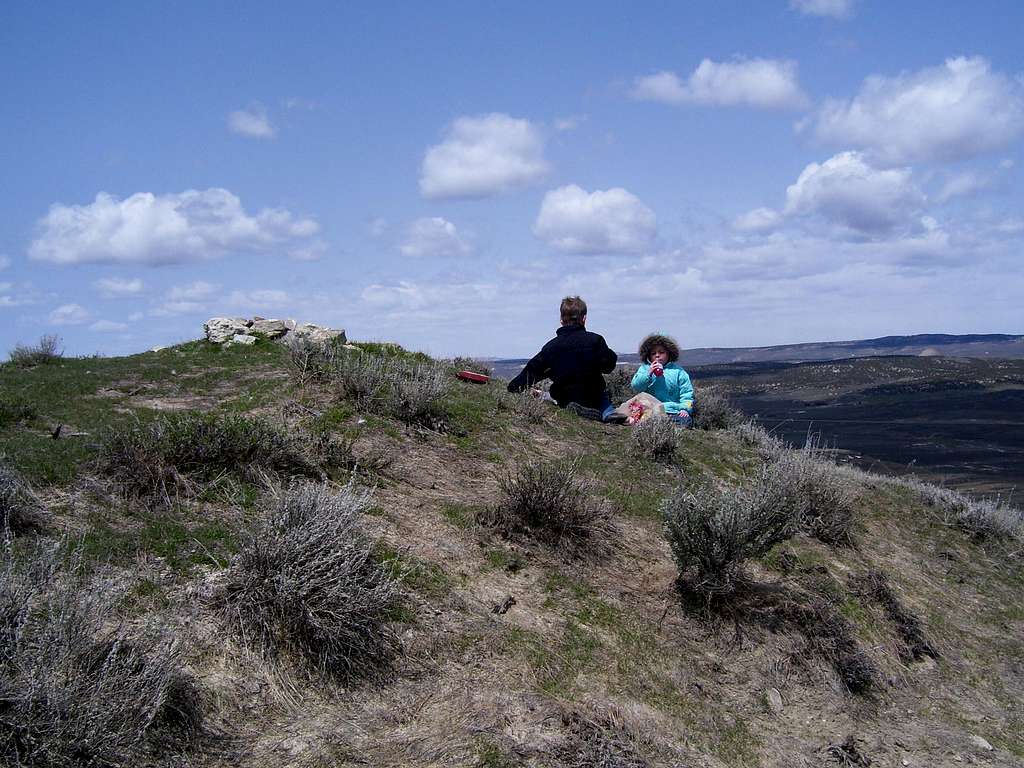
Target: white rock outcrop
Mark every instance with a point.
(221, 329)
(241, 330)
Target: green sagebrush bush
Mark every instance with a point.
(169, 455)
(549, 502)
(713, 530)
(307, 581)
(47, 350)
(76, 688)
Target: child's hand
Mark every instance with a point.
(657, 369)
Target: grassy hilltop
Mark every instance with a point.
(327, 556)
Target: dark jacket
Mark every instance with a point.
(574, 361)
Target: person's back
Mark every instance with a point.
(574, 361)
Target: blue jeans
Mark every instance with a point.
(682, 418)
(606, 408)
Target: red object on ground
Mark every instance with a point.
(479, 378)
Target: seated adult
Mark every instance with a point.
(574, 361)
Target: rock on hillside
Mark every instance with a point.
(240, 330)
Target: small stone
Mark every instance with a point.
(980, 743)
(243, 338)
(774, 700)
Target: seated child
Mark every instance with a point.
(661, 376)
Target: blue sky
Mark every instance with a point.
(441, 174)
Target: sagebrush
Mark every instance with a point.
(712, 531)
(76, 688)
(617, 384)
(655, 438)
(169, 456)
(524, 405)
(548, 501)
(307, 582)
(46, 350)
(821, 496)
(985, 518)
(712, 410)
(15, 410)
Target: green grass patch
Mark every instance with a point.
(462, 516)
(415, 573)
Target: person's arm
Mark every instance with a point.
(534, 371)
(608, 358)
(642, 379)
(683, 396)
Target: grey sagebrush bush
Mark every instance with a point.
(75, 688)
(307, 581)
(548, 501)
(47, 350)
(713, 530)
(654, 438)
(822, 497)
(712, 410)
(524, 405)
(985, 518)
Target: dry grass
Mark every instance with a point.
(525, 406)
(76, 688)
(308, 582)
(547, 501)
(985, 518)
(20, 513)
(914, 645)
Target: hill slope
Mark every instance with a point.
(602, 658)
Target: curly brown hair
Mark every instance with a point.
(658, 340)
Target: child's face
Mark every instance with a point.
(659, 354)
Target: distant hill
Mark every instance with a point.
(983, 345)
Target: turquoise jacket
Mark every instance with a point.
(673, 389)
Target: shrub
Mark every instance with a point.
(45, 351)
(617, 383)
(712, 410)
(471, 364)
(166, 456)
(822, 498)
(19, 511)
(76, 689)
(14, 410)
(310, 360)
(654, 438)
(985, 518)
(530, 409)
(417, 394)
(712, 530)
(756, 436)
(307, 581)
(547, 501)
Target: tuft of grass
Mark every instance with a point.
(597, 743)
(470, 364)
(46, 350)
(712, 410)
(308, 581)
(16, 410)
(20, 513)
(548, 501)
(530, 409)
(713, 530)
(654, 438)
(164, 458)
(76, 688)
(830, 635)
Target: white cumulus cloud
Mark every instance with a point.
(108, 326)
(5, 262)
(482, 156)
(757, 220)
(436, 298)
(836, 9)
(115, 287)
(252, 122)
(434, 237)
(954, 111)
(69, 314)
(161, 229)
(763, 83)
(197, 291)
(258, 299)
(847, 190)
(613, 221)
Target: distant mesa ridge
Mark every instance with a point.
(987, 345)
